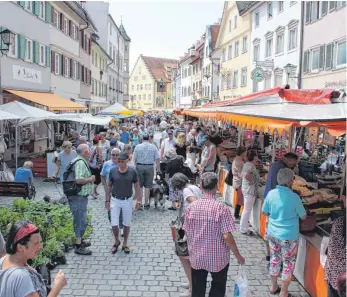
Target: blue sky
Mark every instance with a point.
(164, 28)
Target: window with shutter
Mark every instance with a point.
(57, 64)
(71, 68)
(328, 56)
(308, 12)
(48, 56)
(48, 13)
(61, 21)
(332, 5)
(321, 56)
(324, 8)
(52, 62)
(62, 68)
(70, 28)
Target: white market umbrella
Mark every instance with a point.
(113, 109)
(24, 112)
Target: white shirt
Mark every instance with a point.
(163, 124)
(168, 144)
(190, 191)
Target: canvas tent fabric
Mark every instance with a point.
(8, 116)
(51, 101)
(113, 109)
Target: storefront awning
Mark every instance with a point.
(50, 100)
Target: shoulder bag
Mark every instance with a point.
(181, 244)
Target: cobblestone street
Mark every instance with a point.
(152, 268)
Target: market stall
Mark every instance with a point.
(309, 123)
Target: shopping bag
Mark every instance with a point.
(241, 288)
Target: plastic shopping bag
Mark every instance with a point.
(241, 288)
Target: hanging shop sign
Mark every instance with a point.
(265, 64)
(26, 74)
(328, 138)
(258, 74)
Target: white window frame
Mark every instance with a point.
(230, 52)
(295, 29)
(27, 43)
(57, 61)
(257, 16)
(277, 52)
(267, 10)
(267, 55)
(73, 31)
(278, 6)
(316, 49)
(13, 47)
(67, 67)
(245, 44)
(42, 51)
(56, 13)
(244, 77)
(236, 54)
(256, 57)
(235, 81)
(336, 47)
(235, 21)
(30, 4)
(74, 69)
(230, 26)
(42, 10)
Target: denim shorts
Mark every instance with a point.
(78, 206)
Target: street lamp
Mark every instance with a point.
(289, 69)
(7, 38)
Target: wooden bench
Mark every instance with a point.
(16, 189)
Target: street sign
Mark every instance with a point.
(258, 74)
(266, 64)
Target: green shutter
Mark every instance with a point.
(36, 52)
(21, 3)
(21, 49)
(36, 7)
(48, 56)
(48, 12)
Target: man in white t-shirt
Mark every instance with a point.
(163, 124)
(167, 144)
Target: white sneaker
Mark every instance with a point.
(186, 294)
(185, 285)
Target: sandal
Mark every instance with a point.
(147, 206)
(277, 291)
(126, 249)
(248, 233)
(115, 248)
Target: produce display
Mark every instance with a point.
(55, 224)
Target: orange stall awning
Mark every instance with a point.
(52, 101)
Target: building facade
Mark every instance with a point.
(210, 78)
(116, 42)
(175, 88)
(197, 78)
(98, 88)
(186, 97)
(324, 45)
(150, 83)
(234, 42)
(275, 43)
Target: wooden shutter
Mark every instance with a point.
(61, 19)
(71, 68)
(78, 71)
(90, 46)
(35, 7)
(321, 56)
(332, 5)
(308, 12)
(306, 61)
(48, 56)
(328, 56)
(48, 13)
(21, 3)
(324, 10)
(52, 61)
(62, 65)
(36, 56)
(90, 77)
(21, 47)
(70, 28)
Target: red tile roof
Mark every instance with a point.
(214, 35)
(158, 66)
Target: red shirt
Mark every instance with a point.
(205, 221)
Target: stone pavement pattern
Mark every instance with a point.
(152, 268)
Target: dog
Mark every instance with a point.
(62, 200)
(159, 193)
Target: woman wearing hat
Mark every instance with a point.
(17, 278)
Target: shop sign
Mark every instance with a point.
(258, 74)
(336, 84)
(265, 64)
(26, 74)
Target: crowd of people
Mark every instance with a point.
(126, 161)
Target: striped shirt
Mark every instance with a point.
(145, 153)
(83, 171)
(205, 221)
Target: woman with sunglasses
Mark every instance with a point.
(17, 278)
(64, 159)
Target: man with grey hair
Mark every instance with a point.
(208, 224)
(24, 174)
(79, 203)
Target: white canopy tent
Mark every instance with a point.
(113, 109)
(84, 118)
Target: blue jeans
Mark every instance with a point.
(78, 206)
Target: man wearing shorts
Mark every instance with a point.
(145, 156)
(119, 198)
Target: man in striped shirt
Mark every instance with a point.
(208, 224)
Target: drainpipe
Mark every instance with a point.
(301, 53)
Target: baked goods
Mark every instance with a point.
(299, 181)
(303, 191)
(327, 195)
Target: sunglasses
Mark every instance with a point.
(113, 155)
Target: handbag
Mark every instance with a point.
(181, 243)
(229, 178)
(309, 224)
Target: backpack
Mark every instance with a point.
(70, 187)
